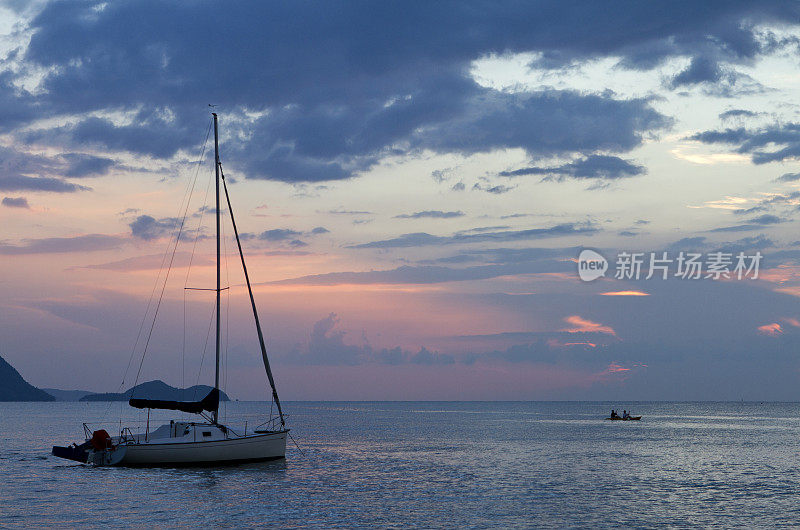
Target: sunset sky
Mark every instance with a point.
(414, 182)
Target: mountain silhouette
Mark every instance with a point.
(157, 390)
(14, 388)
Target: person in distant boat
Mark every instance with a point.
(613, 413)
(625, 415)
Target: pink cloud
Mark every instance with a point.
(625, 293)
(583, 325)
(555, 343)
(772, 330)
(617, 372)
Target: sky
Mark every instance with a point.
(414, 183)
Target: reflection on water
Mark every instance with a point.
(431, 465)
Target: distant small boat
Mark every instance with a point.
(629, 418)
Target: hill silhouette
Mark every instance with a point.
(157, 390)
(14, 388)
(67, 395)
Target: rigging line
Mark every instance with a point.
(160, 299)
(205, 348)
(191, 257)
(197, 230)
(295, 444)
(169, 268)
(156, 283)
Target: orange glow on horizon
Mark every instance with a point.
(625, 293)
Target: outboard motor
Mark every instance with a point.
(101, 440)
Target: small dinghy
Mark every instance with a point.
(629, 418)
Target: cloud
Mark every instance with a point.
(768, 203)
(591, 167)
(286, 253)
(772, 330)
(583, 325)
(421, 238)
(738, 113)
(700, 70)
(278, 234)
(341, 211)
(285, 235)
(16, 202)
(688, 243)
(756, 223)
(21, 171)
(82, 165)
(54, 245)
(767, 219)
(326, 345)
(747, 211)
(402, 88)
(513, 255)
(151, 262)
(429, 358)
(497, 189)
(148, 134)
(716, 79)
(24, 183)
(625, 293)
(148, 228)
(501, 262)
(753, 243)
(433, 214)
(788, 177)
(772, 143)
(427, 274)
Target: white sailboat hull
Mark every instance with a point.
(251, 448)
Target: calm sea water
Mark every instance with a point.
(430, 464)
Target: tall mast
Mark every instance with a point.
(216, 170)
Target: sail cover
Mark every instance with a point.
(209, 403)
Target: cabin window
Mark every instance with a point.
(206, 433)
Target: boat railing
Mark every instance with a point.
(272, 424)
(126, 436)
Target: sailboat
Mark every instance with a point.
(206, 442)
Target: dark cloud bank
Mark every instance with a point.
(347, 84)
